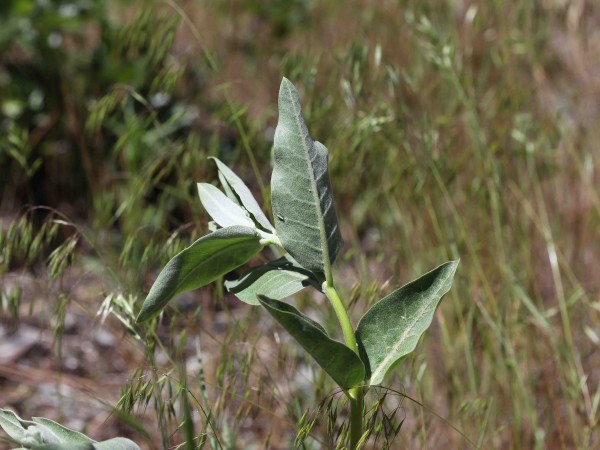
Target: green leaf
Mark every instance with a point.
(393, 326)
(231, 182)
(341, 363)
(60, 446)
(200, 264)
(12, 424)
(116, 444)
(303, 209)
(111, 444)
(61, 432)
(223, 210)
(277, 280)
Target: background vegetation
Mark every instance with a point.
(455, 129)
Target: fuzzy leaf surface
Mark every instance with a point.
(200, 264)
(341, 363)
(303, 208)
(234, 185)
(391, 329)
(12, 424)
(223, 210)
(277, 280)
(63, 433)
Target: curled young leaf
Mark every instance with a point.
(234, 186)
(222, 210)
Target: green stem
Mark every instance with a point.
(342, 315)
(356, 417)
(357, 394)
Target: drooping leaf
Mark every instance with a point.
(199, 264)
(230, 180)
(303, 208)
(341, 363)
(392, 327)
(223, 210)
(277, 280)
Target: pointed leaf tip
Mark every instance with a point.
(391, 329)
(302, 199)
(222, 209)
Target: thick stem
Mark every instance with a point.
(356, 417)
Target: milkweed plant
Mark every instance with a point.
(306, 230)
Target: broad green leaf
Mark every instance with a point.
(277, 280)
(200, 264)
(341, 363)
(223, 210)
(303, 208)
(231, 182)
(393, 326)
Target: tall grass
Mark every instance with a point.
(469, 130)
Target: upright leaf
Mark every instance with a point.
(222, 210)
(277, 280)
(234, 183)
(393, 326)
(303, 209)
(199, 264)
(341, 363)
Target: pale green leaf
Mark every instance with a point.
(60, 446)
(116, 444)
(303, 208)
(392, 327)
(63, 433)
(200, 264)
(222, 210)
(341, 363)
(277, 280)
(234, 185)
(12, 424)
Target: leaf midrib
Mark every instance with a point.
(320, 219)
(391, 355)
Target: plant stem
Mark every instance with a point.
(356, 416)
(357, 394)
(342, 315)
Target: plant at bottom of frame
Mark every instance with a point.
(307, 230)
(45, 434)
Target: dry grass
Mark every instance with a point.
(455, 129)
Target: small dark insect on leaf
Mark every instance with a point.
(280, 217)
